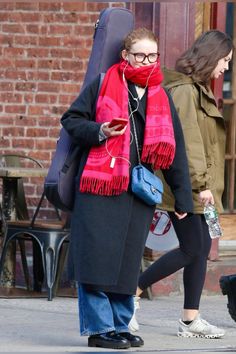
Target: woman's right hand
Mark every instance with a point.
(113, 130)
(206, 197)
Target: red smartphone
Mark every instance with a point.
(116, 121)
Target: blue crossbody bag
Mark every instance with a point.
(144, 183)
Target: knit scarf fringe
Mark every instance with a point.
(159, 155)
(93, 185)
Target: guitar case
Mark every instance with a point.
(111, 28)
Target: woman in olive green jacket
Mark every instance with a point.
(204, 133)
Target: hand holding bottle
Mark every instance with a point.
(206, 197)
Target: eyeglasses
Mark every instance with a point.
(140, 57)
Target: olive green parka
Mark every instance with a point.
(204, 133)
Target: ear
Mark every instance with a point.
(124, 54)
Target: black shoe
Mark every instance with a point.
(228, 287)
(110, 340)
(135, 341)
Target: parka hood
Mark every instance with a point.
(174, 78)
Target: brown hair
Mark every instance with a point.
(137, 35)
(201, 59)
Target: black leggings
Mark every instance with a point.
(194, 247)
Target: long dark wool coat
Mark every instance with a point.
(108, 234)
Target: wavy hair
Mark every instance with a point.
(201, 59)
(137, 35)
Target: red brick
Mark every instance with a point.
(50, 6)
(61, 53)
(22, 120)
(14, 52)
(66, 76)
(4, 143)
(37, 52)
(38, 110)
(70, 17)
(41, 156)
(50, 41)
(25, 41)
(60, 29)
(52, 17)
(52, 122)
(84, 30)
(13, 28)
(32, 29)
(23, 17)
(45, 144)
(31, 6)
(36, 132)
(6, 86)
(38, 75)
(72, 88)
(54, 64)
(48, 87)
(58, 110)
(6, 40)
(66, 99)
(42, 98)
(71, 65)
(6, 63)
(74, 6)
(96, 6)
(28, 98)
(83, 18)
(15, 109)
(10, 97)
(26, 86)
(23, 143)
(15, 74)
(6, 120)
(6, 5)
(13, 131)
(54, 132)
(25, 63)
(117, 4)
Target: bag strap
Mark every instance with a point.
(38, 208)
(70, 158)
(135, 133)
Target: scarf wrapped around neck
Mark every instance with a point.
(100, 176)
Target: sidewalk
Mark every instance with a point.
(37, 325)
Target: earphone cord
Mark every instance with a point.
(113, 158)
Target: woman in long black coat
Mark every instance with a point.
(109, 227)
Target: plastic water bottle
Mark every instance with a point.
(212, 221)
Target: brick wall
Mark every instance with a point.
(44, 49)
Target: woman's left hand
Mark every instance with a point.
(180, 215)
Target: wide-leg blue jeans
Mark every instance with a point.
(102, 312)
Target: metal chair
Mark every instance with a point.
(14, 205)
(48, 236)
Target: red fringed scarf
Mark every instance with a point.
(99, 176)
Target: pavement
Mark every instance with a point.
(32, 325)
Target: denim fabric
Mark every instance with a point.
(101, 312)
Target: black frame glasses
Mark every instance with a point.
(140, 57)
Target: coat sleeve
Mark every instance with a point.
(79, 119)
(185, 99)
(177, 176)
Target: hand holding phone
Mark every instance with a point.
(119, 122)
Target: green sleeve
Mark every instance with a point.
(186, 100)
